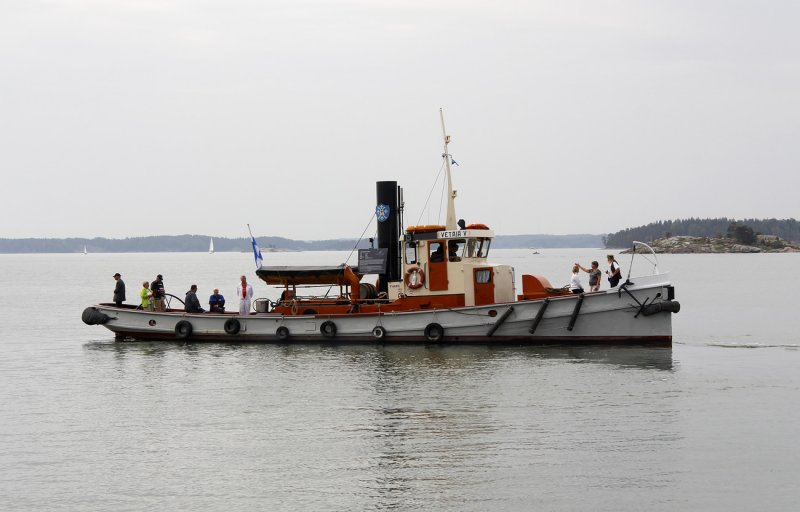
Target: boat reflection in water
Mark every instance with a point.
(407, 356)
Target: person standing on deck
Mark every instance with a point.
(145, 296)
(614, 272)
(119, 290)
(594, 276)
(157, 288)
(245, 293)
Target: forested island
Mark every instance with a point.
(745, 231)
(713, 236)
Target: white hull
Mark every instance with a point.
(603, 317)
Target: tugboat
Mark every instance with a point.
(435, 285)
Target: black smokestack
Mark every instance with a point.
(388, 194)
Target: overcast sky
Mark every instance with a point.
(154, 117)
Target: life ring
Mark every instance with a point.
(232, 326)
(328, 329)
(434, 332)
(183, 329)
(379, 332)
(418, 281)
(282, 333)
(477, 226)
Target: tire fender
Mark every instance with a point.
(434, 332)
(232, 326)
(183, 329)
(328, 329)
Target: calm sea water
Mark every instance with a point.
(90, 424)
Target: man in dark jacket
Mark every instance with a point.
(192, 303)
(119, 290)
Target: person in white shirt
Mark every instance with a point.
(245, 293)
(575, 285)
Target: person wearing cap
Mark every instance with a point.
(191, 302)
(157, 288)
(119, 290)
(245, 293)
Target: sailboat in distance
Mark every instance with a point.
(84, 250)
(211, 246)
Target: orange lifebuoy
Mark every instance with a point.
(418, 281)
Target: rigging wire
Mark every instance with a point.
(371, 218)
(425, 206)
(360, 238)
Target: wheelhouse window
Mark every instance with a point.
(472, 248)
(483, 276)
(436, 251)
(411, 253)
(455, 249)
(483, 252)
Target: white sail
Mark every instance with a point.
(84, 250)
(211, 247)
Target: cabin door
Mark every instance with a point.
(437, 266)
(484, 286)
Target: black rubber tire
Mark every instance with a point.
(434, 332)
(379, 332)
(282, 333)
(328, 329)
(232, 326)
(91, 316)
(183, 329)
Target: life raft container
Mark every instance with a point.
(426, 228)
(476, 226)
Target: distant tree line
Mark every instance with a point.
(200, 243)
(744, 231)
(176, 243)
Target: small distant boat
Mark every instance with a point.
(211, 247)
(84, 250)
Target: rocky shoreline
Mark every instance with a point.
(713, 245)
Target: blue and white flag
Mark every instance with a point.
(453, 161)
(257, 252)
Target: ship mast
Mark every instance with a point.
(451, 194)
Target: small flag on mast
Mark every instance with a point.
(256, 250)
(257, 254)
